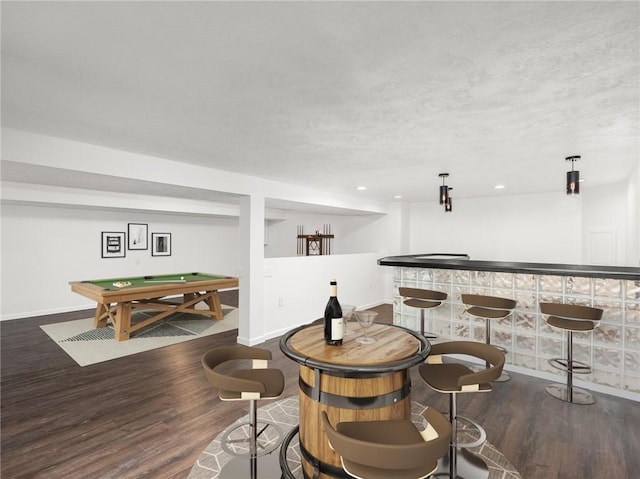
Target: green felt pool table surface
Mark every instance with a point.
(140, 281)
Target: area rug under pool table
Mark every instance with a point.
(87, 345)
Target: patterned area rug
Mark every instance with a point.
(285, 414)
(88, 345)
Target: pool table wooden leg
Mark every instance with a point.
(123, 321)
(102, 315)
(213, 301)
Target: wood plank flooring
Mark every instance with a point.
(150, 415)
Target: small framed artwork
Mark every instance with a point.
(113, 244)
(160, 244)
(138, 236)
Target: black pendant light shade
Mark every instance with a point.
(573, 177)
(444, 189)
(448, 205)
(444, 194)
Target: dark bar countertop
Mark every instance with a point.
(461, 262)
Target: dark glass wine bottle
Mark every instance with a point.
(333, 324)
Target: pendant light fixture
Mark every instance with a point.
(448, 206)
(573, 177)
(444, 189)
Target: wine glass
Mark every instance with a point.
(365, 318)
(347, 314)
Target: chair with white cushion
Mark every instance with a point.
(572, 318)
(453, 378)
(489, 308)
(423, 299)
(251, 384)
(389, 448)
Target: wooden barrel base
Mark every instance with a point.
(376, 398)
(311, 464)
(352, 382)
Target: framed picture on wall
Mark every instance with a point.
(160, 244)
(113, 244)
(138, 236)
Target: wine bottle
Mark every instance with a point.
(333, 324)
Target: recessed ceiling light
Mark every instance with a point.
(362, 188)
(397, 197)
(498, 187)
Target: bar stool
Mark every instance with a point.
(489, 308)
(393, 448)
(247, 384)
(570, 318)
(423, 299)
(454, 378)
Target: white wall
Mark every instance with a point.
(297, 288)
(543, 228)
(45, 195)
(30, 152)
(604, 225)
(353, 234)
(633, 218)
(43, 248)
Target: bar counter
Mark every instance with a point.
(461, 263)
(613, 349)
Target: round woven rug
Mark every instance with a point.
(285, 413)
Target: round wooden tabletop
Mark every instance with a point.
(392, 344)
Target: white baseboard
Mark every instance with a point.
(32, 314)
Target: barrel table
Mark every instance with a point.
(352, 382)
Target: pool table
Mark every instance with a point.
(117, 298)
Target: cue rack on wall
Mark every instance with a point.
(316, 244)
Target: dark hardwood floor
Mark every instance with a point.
(150, 415)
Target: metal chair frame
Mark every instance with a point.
(258, 461)
(459, 459)
(489, 308)
(564, 317)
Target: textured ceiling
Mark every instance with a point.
(335, 95)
